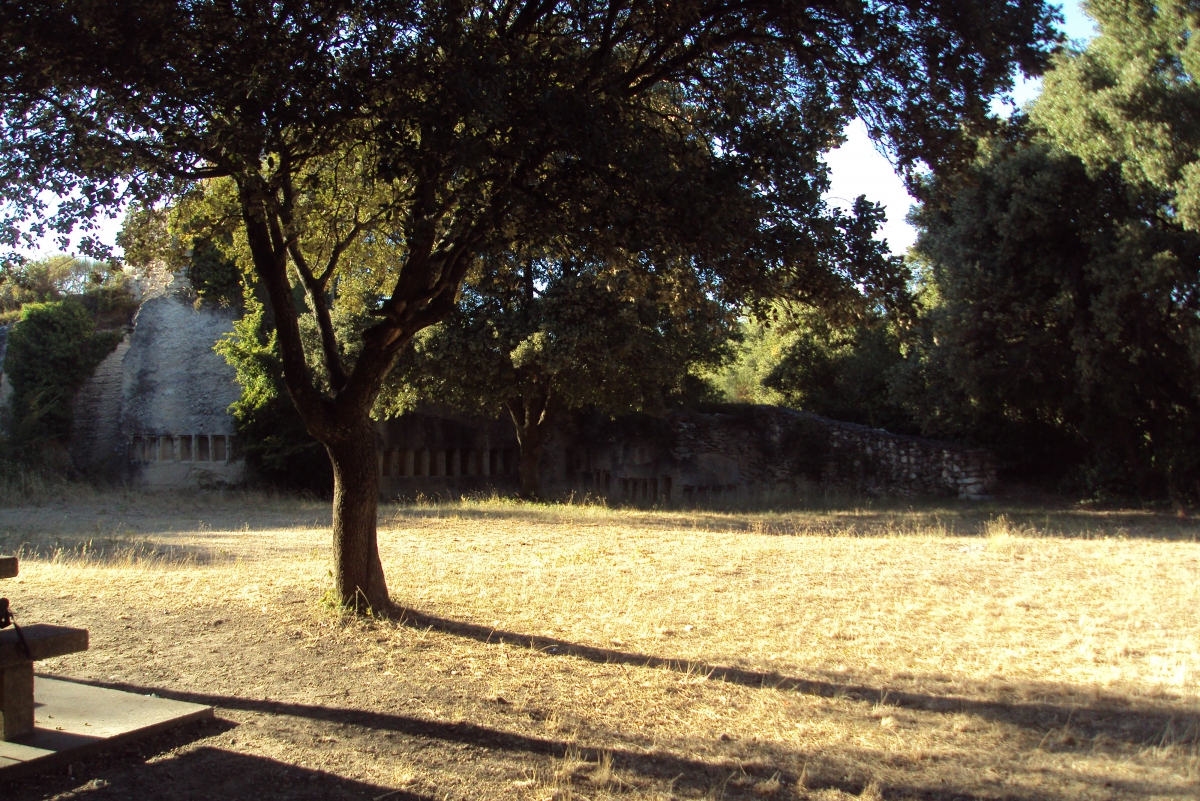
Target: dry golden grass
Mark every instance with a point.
(871, 651)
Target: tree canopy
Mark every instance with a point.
(1066, 270)
(1129, 99)
(683, 136)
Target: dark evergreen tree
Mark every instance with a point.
(1066, 330)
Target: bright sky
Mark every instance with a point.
(856, 168)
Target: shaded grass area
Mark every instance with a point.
(941, 651)
(831, 515)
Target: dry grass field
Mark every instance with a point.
(936, 651)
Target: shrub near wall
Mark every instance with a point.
(51, 351)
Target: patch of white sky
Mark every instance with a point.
(856, 168)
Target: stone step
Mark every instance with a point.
(45, 641)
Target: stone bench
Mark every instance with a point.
(16, 665)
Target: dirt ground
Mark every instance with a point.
(938, 652)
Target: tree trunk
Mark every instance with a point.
(341, 423)
(357, 569)
(529, 415)
(530, 439)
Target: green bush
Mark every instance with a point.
(278, 449)
(52, 350)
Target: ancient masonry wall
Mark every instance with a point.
(156, 411)
(691, 456)
(434, 453)
(870, 460)
(686, 457)
(96, 446)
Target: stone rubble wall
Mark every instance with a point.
(156, 410)
(760, 449)
(96, 447)
(871, 460)
(434, 453)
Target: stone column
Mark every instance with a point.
(16, 701)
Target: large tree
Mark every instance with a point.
(1065, 328)
(690, 132)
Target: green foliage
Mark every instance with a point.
(1130, 99)
(146, 238)
(215, 277)
(53, 278)
(1068, 333)
(841, 371)
(51, 351)
(758, 349)
(278, 449)
(835, 367)
(584, 339)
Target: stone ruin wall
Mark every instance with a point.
(96, 446)
(870, 460)
(434, 453)
(156, 410)
(693, 456)
(685, 457)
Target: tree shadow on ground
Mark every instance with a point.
(689, 777)
(148, 769)
(1115, 717)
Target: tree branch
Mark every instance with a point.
(317, 296)
(271, 266)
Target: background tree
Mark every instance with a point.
(1066, 268)
(51, 278)
(842, 369)
(51, 351)
(1066, 334)
(545, 334)
(278, 450)
(691, 131)
(1129, 99)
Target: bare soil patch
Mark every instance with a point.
(942, 652)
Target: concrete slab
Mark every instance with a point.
(73, 721)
